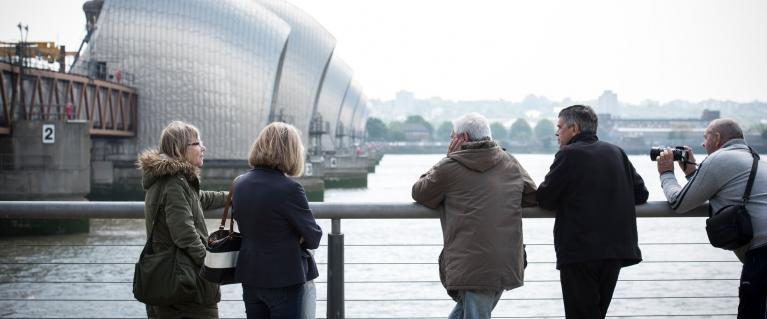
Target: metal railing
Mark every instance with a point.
(132, 210)
(335, 212)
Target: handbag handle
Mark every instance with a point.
(226, 210)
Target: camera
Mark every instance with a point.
(680, 153)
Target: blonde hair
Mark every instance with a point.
(278, 146)
(176, 137)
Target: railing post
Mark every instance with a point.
(335, 271)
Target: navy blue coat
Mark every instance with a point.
(273, 214)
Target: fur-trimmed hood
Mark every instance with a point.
(156, 165)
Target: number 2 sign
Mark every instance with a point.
(49, 133)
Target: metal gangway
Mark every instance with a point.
(37, 94)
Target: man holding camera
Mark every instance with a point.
(594, 189)
(721, 179)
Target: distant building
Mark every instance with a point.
(639, 134)
(607, 103)
(415, 132)
(405, 99)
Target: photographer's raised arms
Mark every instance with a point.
(721, 179)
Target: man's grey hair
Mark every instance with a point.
(583, 115)
(475, 125)
(727, 129)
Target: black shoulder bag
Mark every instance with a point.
(158, 277)
(730, 227)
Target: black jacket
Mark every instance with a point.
(594, 188)
(273, 214)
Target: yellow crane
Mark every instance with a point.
(45, 50)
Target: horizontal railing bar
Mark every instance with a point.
(384, 282)
(364, 263)
(322, 245)
(535, 317)
(535, 280)
(79, 245)
(540, 262)
(516, 317)
(67, 263)
(65, 282)
(218, 317)
(652, 316)
(402, 300)
(135, 210)
(540, 299)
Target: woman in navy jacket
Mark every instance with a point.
(276, 224)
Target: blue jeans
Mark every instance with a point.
(310, 301)
(273, 303)
(474, 304)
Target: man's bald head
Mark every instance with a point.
(718, 132)
(727, 129)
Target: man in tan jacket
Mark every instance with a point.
(480, 190)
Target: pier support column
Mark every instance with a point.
(45, 160)
(51, 167)
(335, 271)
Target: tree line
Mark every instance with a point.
(518, 133)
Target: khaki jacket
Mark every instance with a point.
(480, 191)
(173, 195)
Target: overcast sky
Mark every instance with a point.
(460, 50)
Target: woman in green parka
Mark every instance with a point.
(171, 180)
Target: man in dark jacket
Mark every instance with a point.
(480, 190)
(593, 188)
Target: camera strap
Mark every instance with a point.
(751, 177)
(749, 184)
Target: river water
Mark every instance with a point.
(391, 266)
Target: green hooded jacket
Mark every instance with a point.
(173, 195)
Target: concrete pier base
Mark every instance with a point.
(58, 170)
(125, 184)
(346, 171)
(45, 160)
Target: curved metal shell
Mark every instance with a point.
(358, 119)
(210, 63)
(307, 57)
(337, 80)
(346, 114)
